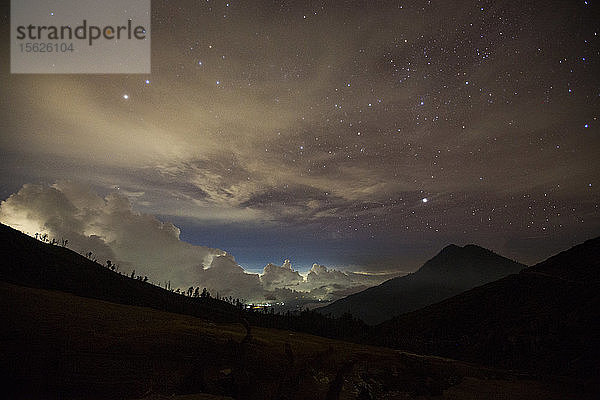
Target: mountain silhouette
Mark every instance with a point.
(86, 337)
(544, 319)
(452, 271)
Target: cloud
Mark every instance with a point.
(111, 229)
(227, 278)
(284, 276)
(335, 284)
(321, 283)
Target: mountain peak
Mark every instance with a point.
(449, 248)
(469, 261)
(471, 247)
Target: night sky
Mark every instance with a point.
(364, 135)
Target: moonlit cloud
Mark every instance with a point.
(284, 276)
(110, 229)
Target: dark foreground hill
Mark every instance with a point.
(30, 262)
(543, 319)
(56, 345)
(452, 271)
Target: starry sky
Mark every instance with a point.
(360, 134)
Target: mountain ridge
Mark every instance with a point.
(453, 270)
(543, 319)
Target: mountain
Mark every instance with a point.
(73, 329)
(452, 271)
(544, 319)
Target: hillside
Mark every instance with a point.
(543, 319)
(452, 271)
(56, 345)
(30, 262)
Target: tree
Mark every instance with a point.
(133, 274)
(190, 291)
(197, 292)
(109, 264)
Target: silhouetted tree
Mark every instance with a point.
(133, 274)
(205, 294)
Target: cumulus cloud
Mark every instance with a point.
(335, 284)
(321, 283)
(111, 229)
(319, 274)
(283, 276)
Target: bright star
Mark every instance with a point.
(424, 200)
(126, 96)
